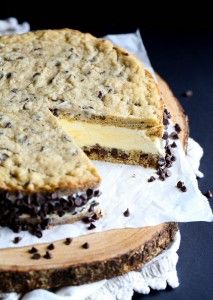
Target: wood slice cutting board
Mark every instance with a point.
(111, 253)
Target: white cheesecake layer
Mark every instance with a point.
(108, 136)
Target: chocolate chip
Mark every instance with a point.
(55, 112)
(177, 128)
(36, 256)
(36, 74)
(91, 226)
(58, 64)
(180, 184)
(167, 113)
(68, 241)
(17, 239)
(165, 136)
(126, 213)
(97, 193)
(9, 75)
(47, 255)
(173, 145)
(151, 179)
(8, 125)
(208, 194)
(187, 93)
(183, 188)
(85, 246)
(100, 95)
(173, 135)
(87, 220)
(173, 158)
(38, 233)
(51, 247)
(114, 152)
(33, 250)
(89, 193)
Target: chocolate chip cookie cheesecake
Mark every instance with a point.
(61, 92)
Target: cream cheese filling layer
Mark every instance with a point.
(110, 136)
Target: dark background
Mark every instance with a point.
(179, 40)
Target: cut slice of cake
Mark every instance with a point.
(102, 95)
(44, 177)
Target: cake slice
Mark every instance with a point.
(44, 177)
(102, 95)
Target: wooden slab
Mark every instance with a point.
(110, 254)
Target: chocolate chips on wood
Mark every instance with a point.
(68, 241)
(85, 246)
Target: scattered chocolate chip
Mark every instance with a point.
(85, 246)
(58, 64)
(180, 184)
(187, 93)
(68, 241)
(208, 194)
(97, 193)
(173, 136)
(47, 255)
(36, 256)
(165, 136)
(17, 239)
(173, 145)
(126, 213)
(177, 128)
(151, 179)
(183, 189)
(51, 247)
(33, 250)
(91, 226)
